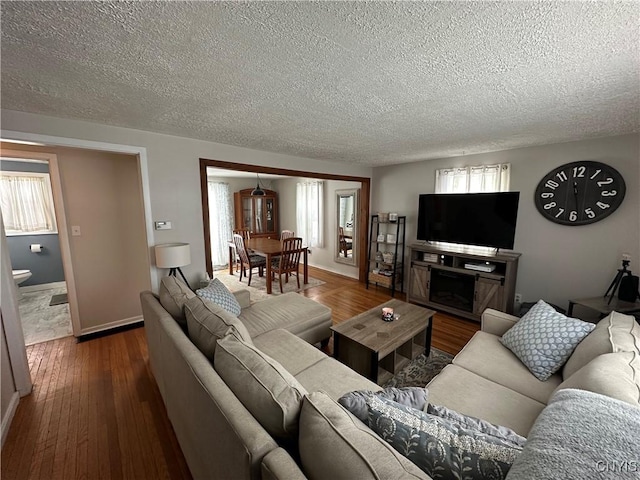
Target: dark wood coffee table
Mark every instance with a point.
(378, 349)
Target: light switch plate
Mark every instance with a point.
(163, 225)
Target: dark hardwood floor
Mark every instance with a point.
(95, 411)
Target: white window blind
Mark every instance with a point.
(26, 201)
(480, 178)
(220, 222)
(309, 212)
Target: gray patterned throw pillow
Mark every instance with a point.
(219, 294)
(544, 339)
(441, 448)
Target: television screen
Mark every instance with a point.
(485, 219)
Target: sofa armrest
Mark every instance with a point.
(496, 322)
(278, 465)
(244, 297)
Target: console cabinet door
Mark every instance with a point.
(420, 278)
(489, 293)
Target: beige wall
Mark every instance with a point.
(558, 262)
(103, 196)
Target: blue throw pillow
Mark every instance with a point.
(477, 424)
(543, 339)
(438, 446)
(219, 294)
(356, 401)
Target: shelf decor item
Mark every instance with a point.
(381, 237)
(391, 238)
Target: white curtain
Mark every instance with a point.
(481, 178)
(309, 212)
(220, 222)
(27, 203)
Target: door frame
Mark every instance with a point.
(13, 329)
(63, 232)
(363, 222)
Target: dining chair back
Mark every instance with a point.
(346, 244)
(247, 261)
(289, 260)
(246, 235)
(286, 234)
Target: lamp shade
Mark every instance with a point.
(172, 255)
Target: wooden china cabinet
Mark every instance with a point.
(259, 214)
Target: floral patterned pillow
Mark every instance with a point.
(441, 448)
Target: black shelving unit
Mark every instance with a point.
(385, 258)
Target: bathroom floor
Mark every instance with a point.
(41, 322)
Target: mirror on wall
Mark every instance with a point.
(346, 226)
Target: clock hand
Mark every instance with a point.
(575, 193)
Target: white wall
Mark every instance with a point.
(558, 262)
(173, 166)
(320, 257)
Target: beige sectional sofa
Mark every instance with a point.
(222, 437)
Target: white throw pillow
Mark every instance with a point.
(543, 339)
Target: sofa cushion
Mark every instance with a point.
(293, 353)
(614, 333)
(208, 322)
(334, 378)
(290, 311)
(476, 424)
(440, 447)
(173, 294)
(615, 375)
(581, 435)
(219, 294)
(485, 355)
(356, 401)
(544, 339)
(268, 391)
(471, 394)
(335, 444)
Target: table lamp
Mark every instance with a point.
(173, 256)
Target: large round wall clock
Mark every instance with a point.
(580, 193)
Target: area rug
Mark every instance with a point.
(421, 370)
(58, 299)
(258, 288)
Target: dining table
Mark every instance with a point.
(268, 248)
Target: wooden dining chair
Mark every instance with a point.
(246, 235)
(346, 244)
(247, 261)
(287, 234)
(288, 261)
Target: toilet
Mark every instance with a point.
(20, 276)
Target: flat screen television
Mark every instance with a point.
(485, 219)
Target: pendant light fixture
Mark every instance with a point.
(257, 192)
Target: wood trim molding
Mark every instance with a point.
(365, 192)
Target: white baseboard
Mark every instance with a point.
(11, 411)
(110, 325)
(42, 286)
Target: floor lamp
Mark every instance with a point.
(173, 256)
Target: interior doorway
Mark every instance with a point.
(32, 226)
(365, 186)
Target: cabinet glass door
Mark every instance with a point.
(270, 215)
(247, 213)
(259, 215)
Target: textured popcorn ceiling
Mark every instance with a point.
(369, 83)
